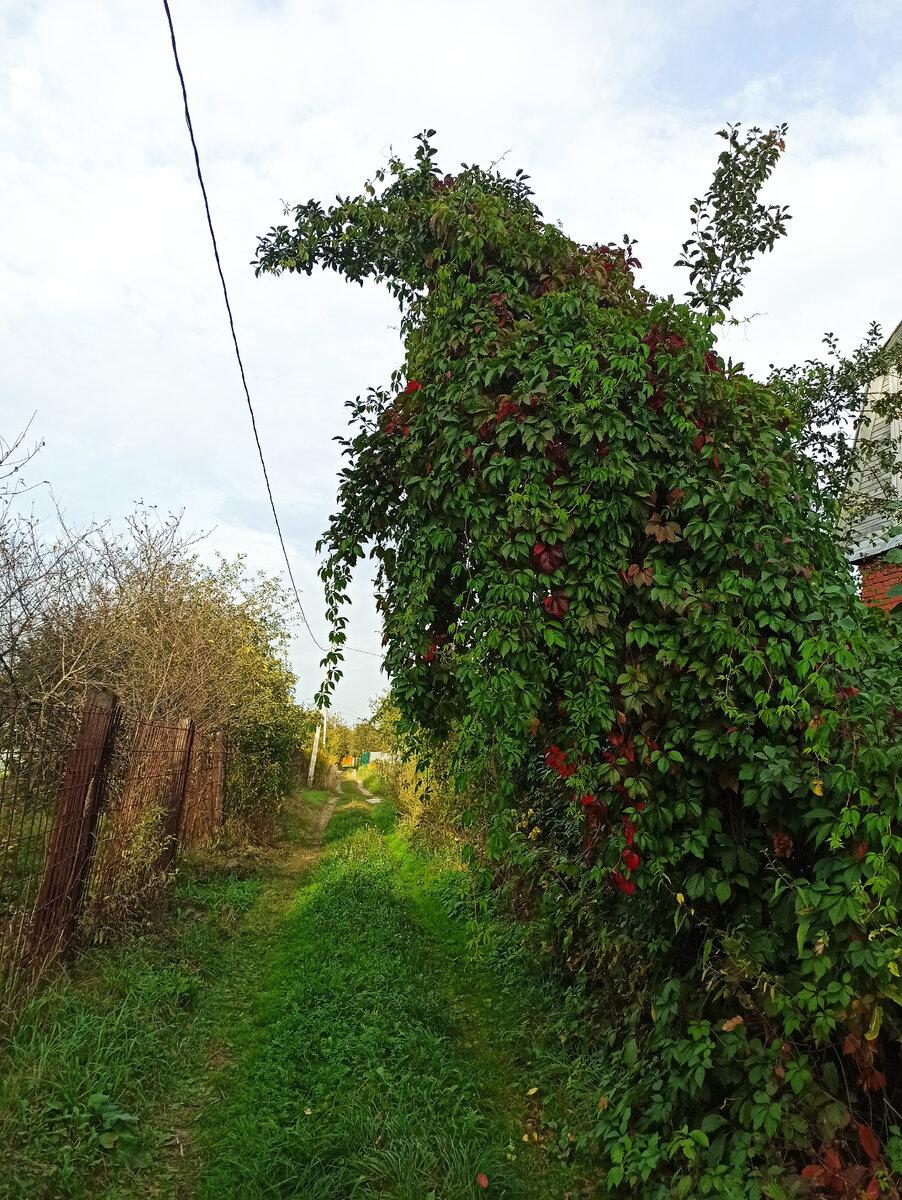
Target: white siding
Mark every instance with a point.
(869, 533)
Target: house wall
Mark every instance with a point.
(877, 577)
(867, 534)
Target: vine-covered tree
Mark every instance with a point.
(606, 563)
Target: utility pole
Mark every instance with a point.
(324, 729)
(313, 758)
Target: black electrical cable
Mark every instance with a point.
(225, 296)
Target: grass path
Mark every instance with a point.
(339, 1040)
(372, 1070)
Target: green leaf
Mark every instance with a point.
(801, 934)
(630, 1052)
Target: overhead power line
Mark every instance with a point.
(247, 394)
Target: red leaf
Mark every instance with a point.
(832, 1161)
(873, 1188)
(869, 1141)
(782, 845)
(871, 1080)
(546, 558)
(482, 1181)
(557, 604)
(814, 1172)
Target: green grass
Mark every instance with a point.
(119, 1030)
(108, 1063)
(374, 781)
(315, 799)
(375, 1068)
(353, 813)
(333, 1036)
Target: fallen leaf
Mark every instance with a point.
(482, 1181)
(729, 1026)
(532, 1091)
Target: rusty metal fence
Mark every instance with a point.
(92, 814)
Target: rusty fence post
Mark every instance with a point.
(174, 800)
(71, 847)
(217, 790)
(204, 795)
(194, 809)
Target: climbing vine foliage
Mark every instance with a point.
(606, 566)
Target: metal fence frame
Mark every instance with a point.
(92, 815)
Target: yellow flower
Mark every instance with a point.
(818, 787)
(681, 899)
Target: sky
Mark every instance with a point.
(113, 332)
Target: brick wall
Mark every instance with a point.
(877, 577)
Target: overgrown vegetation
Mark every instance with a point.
(609, 570)
(140, 614)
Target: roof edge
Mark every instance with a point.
(865, 550)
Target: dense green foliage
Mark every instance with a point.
(264, 764)
(606, 562)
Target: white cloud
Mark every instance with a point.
(111, 322)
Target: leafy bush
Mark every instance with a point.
(264, 765)
(605, 562)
